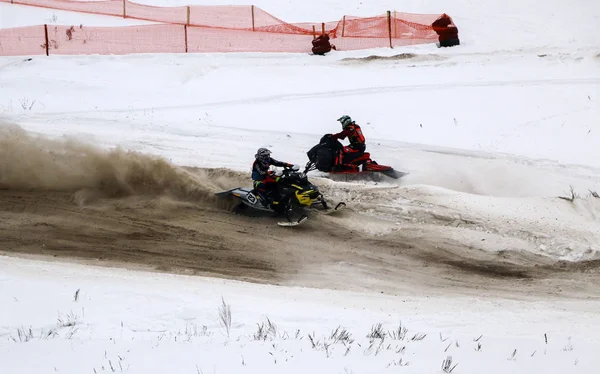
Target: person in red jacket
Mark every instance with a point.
(353, 132)
(321, 45)
(446, 30)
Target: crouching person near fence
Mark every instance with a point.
(446, 30)
(321, 45)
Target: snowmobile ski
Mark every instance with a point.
(293, 223)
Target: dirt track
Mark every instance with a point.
(166, 235)
(123, 209)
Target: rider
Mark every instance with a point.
(357, 145)
(265, 180)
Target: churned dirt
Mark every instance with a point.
(64, 199)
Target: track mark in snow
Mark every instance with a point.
(349, 92)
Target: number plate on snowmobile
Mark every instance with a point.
(251, 198)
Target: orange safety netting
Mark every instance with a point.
(22, 41)
(206, 29)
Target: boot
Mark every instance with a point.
(265, 198)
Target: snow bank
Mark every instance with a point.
(549, 226)
(87, 318)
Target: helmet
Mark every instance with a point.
(262, 154)
(346, 121)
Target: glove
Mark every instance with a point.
(295, 167)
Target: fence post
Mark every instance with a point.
(185, 27)
(389, 17)
(343, 25)
(252, 17)
(46, 37)
(124, 8)
(188, 15)
(314, 32)
(322, 28)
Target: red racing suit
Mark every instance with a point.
(355, 136)
(357, 143)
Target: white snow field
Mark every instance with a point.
(491, 132)
(136, 322)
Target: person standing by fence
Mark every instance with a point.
(321, 45)
(446, 30)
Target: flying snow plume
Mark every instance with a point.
(37, 163)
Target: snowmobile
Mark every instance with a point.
(328, 157)
(293, 193)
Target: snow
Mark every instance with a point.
(415, 102)
(491, 133)
(142, 322)
(21, 15)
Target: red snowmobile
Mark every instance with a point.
(328, 156)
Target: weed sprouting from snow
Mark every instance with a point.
(26, 104)
(594, 194)
(572, 196)
(418, 337)
(193, 331)
(23, 335)
(314, 343)
(341, 335)
(513, 356)
(374, 347)
(114, 367)
(568, 347)
(296, 336)
(71, 333)
(398, 362)
(338, 336)
(265, 330)
(225, 316)
(71, 319)
(190, 332)
(348, 348)
(377, 332)
(399, 333)
(447, 365)
(76, 296)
